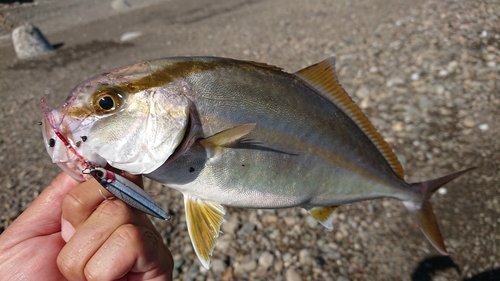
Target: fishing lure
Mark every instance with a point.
(128, 192)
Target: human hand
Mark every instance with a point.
(106, 240)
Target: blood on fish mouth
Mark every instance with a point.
(43, 106)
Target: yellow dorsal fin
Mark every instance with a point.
(324, 215)
(321, 76)
(203, 219)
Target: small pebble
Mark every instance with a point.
(415, 76)
(442, 190)
(397, 127)
(278, 266)
(311, 222)
(468, 122)
(292, 275)
(246, 229)
(483, 127)
(266, 260)
(289, 221)
(443, 73)
(249, 266)
(305, 257)
(395, 81)
(229, 227)
(129, 36)
(217, 266)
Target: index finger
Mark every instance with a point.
(81, 201)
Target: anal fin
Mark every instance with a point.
(203, 219)
(324, 215)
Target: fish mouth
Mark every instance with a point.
(75, 171)
(63, 141)
(60, 154)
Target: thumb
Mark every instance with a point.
(43, 216)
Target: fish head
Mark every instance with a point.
(125, 118)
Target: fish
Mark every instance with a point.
(227, 132)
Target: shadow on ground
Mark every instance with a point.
(64, 55)
(14, 1)
(430, 266)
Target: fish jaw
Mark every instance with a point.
(73, 130)
(144, 134)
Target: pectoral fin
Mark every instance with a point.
(203, 219)
(324, 215)
(226, 139)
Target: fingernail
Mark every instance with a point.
(67, 230)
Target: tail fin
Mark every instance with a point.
(422, 213)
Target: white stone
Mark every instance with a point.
(311, 222)
(266, 260)
(305, 257)
(468, 122)
(484, 127)
(223, 242)
(440, 89)
(395, 81)
(292, 275)
(230, 227)
(249, 266)
(217, 266)
(415, 76)
(129, 36)
(443, 73)
(397, 127)
(29, 42)
(289, 221)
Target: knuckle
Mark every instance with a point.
(127, 234)
(72, 203)
(68, 267)
(113, 208)
(93, 274)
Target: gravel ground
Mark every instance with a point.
(425, 72)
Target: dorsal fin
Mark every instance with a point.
(264, 65)
(321, 76)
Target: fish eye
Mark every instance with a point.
(52, 142)
(106, 100)
(99, 174)
(106, 103)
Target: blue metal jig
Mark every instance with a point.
(128, 192)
